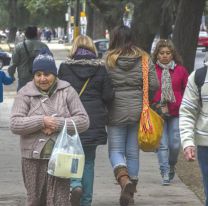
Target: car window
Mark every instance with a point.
(203, 34)
(103, 46)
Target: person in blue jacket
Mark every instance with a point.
(4, 80)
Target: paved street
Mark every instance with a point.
(106, 191)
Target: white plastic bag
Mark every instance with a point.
(67, 158)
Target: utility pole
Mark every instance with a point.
(77, 20)
(69, 30)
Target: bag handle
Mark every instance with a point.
(75, 128)
(145, 75)
(84, 87)
(145, 121)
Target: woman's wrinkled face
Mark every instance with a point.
(44, 80)
(164, 55)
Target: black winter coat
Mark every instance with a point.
(95, 98)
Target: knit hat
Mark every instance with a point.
(45, 62)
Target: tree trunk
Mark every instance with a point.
(167, 19)
(185, 35)
(146, 22)
(96, 26)
(112, 12)
(12, 5)
(90, 23)
(99, 25)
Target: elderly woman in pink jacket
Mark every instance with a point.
(38, 115)
(167, 100)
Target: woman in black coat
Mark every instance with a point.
(88, 76)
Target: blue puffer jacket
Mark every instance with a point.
(4, 80)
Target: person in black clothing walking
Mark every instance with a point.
(87, 74)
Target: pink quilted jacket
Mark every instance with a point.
(179, 77)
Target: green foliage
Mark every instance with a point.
(47, 12)
(39, 12)
(44, 6)
(4, 16)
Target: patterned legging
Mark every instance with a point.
(42, 188)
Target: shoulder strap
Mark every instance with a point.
(84, 87)
(145, 76)
(26, 49)
(199, 79)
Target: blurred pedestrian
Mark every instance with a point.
(48, 35)
(22, 54)
(38, 114)
(4, 80)
(193, 124)
(173, 79)
(123, 61)
(87, 74)
(19, 36)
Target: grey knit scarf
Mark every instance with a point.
(167, 94)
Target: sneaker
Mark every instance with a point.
(172, 172)
(165, 180)
(76, 194)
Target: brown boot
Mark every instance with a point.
(76, 194)
(127, 187)
(135, 182)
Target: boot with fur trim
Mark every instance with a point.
(135, 182)
(127, 187)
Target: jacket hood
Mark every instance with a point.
(127, 63)
(84, 68)
(31, 90)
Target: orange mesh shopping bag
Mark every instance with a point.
(151, 124)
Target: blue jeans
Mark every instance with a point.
(88, 176)
(169, 145)
(123, 147)
(202, 153)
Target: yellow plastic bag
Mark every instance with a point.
(150, 132)
(151, 124)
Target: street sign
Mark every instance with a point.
(66, 17)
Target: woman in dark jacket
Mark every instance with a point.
(88, 76)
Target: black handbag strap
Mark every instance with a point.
(26, 49)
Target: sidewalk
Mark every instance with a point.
(54, 45)
(106, 191)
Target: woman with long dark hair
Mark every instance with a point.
(123, 61)
(173, 79)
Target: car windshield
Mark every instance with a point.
(103, 45)
(203, 34)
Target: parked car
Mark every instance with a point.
(203, 39)
(5, 58)
(102, 46)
